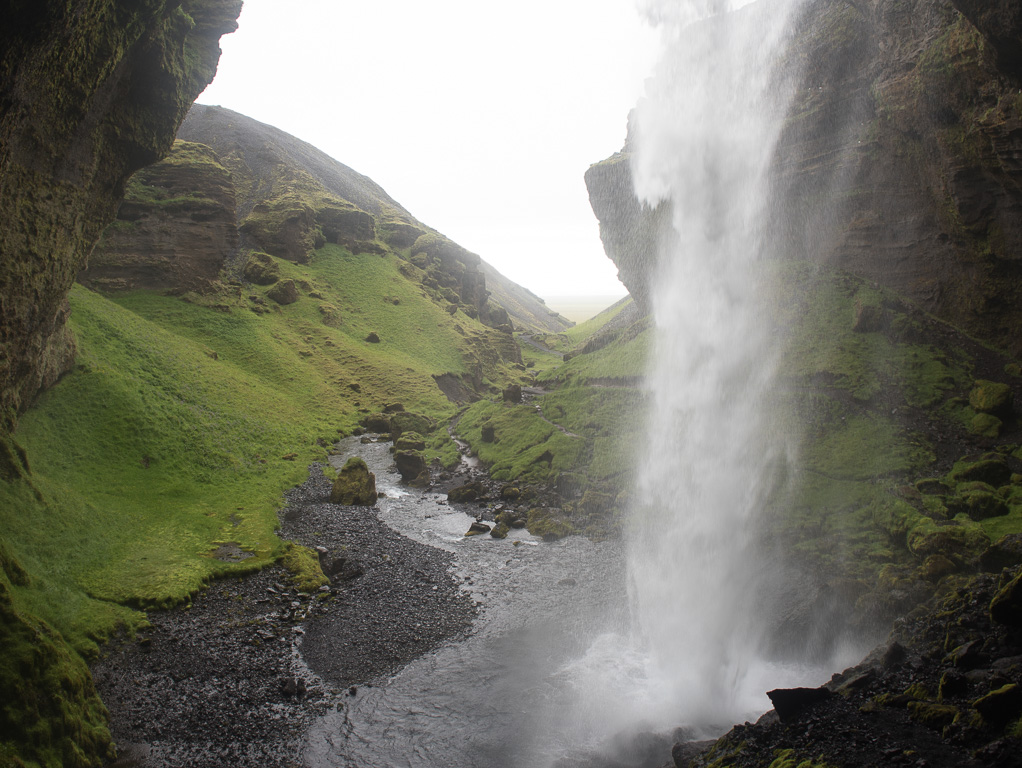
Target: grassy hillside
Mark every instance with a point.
(160, 461)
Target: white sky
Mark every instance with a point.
(480, 118)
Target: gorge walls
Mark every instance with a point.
(900, 160)
(90, 91)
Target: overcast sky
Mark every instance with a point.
(479, 118)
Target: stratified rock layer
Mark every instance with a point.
(174, 230)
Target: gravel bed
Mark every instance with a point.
(237, 678)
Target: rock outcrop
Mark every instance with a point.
(898, 161)
(174, 230)
(89, 95)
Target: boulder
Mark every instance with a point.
(378, 423)
(500, 531)
(487, 434)
(789, 702)
(985, 425)
(404, 421)
(467, 492)
(510, 493)
(477, 528)
(354, 485)
(1006, 607)
(284, 292)
(373, 337)
(1001, 705)
(410, 441)
(261, 269)
(410, 464)
(513, 394)
(1005, 553)
(990, 396)
(993, 471)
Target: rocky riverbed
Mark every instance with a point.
(237, 678)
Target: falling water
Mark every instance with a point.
(703, 139)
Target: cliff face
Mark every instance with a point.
(173, 231)
(89, 93)
(234, 186)
(900, 160)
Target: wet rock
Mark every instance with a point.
(1001, 705)
(410, 464)
(410, 441)
(354, 484)
(500, 531)
(993, 471)
(467, 492)
(378, 423)
(477, 528)
(790, 702)
(1006, 606)
(1005, 553)
(510, 493)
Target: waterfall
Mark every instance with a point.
(702, 142)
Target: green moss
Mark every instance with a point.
(548, 524)
(303, 565)
(787, 758)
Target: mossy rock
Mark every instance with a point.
(410, 441)
(985, 425)
(303, 565)
(931, 714)
(467, 492)
(1006, 552)
(993, 471)
(548, 524)
(1001, 705)
(979, 505)
(411, 465)
(284, 292)
(510, 493)
(377, 422)
(261, 269)
(990, 396)
(935, 567)
(500, 531)
(354, 485)
(932, 486)
(411, 422)
(1006, 606)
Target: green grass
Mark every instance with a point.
(182, 425)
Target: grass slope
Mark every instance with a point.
(177, 432)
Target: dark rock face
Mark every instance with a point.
(176, 239)
(89, 95)
(898, 161)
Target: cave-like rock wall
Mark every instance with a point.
(900, 160)
(90, 91)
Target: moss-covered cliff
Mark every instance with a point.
(90, 91)
(898, 160)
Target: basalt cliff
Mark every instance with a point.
(899, 160)
(90, 94)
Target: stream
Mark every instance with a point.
(538, 681)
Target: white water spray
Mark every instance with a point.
(703, 139)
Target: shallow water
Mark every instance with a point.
(525, 688)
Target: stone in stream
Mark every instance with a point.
(411, 465)
(467, 492)
(477, 528)
(355, 484)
